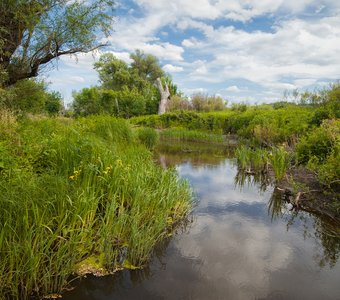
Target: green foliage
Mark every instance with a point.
(31, 96)
(320, 149)
(280, 161)
(122, 103)
(262, 124)
(182, 134)
(87, 102)
(178, 103)
(213, 121)
(146, 65)
(53, 103)
(114, 73)
(33, 33)
(241, 107)
(74, 192)
(126, 90)
(205, 103)
(258, 160)
(319, 142)
(252, 160)
(148, 136)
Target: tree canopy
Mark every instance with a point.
(126, 89)
(34, 32)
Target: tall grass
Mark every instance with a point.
(76, 193)
(279, 159)
(252, 160)
(181, 134)
(259, 160)
(147, 136)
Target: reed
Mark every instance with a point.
(259, 160)
(79, 192)
(147, 136)
(279, 159)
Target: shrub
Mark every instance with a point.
(319, 142)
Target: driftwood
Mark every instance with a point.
(289, 193)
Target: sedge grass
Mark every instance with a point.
(258, 160)
(75, 191)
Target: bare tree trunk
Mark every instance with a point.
(165, 94)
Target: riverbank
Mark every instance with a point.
(76, 196)
(301, 143)
(303, 190)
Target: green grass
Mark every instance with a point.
(180, 134)
(72, 191)
(147, 136)
(258, 160)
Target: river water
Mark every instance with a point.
(241, 242)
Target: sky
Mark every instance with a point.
(252, 51)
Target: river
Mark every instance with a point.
(241, 242)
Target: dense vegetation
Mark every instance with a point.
(36, 32)
(308, 130)
(31, 97)
(125, 90)
(79, 196)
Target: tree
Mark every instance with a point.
(147, 66)
(53, 103)
(34, 32)
(165, 94)
(87, 102)
(143, 80)
(202, 102)
(114, 74)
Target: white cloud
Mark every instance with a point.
(297, 49)
(240, 10)
(172, 69)
(296, 52)
(125, 56)
(190, 91)
(233, 89)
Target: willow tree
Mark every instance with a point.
(35, 32)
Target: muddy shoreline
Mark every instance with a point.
(301, 188)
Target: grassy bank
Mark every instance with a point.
(263, 124)
(181, 134)
(78, 195)
(289, 141)
(282, 135)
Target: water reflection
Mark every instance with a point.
(244, 242)
(324, 230)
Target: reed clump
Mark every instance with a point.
(148, 136)
(72, 192)
(259, 160)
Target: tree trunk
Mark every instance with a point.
(165, 94)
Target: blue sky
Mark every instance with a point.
(242, 50)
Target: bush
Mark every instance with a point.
(205, 103)
(320, 150)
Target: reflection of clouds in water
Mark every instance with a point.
(215, 186)
(241, 252)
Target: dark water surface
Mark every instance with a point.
(243, 243)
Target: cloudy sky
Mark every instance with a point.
(243, 50)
